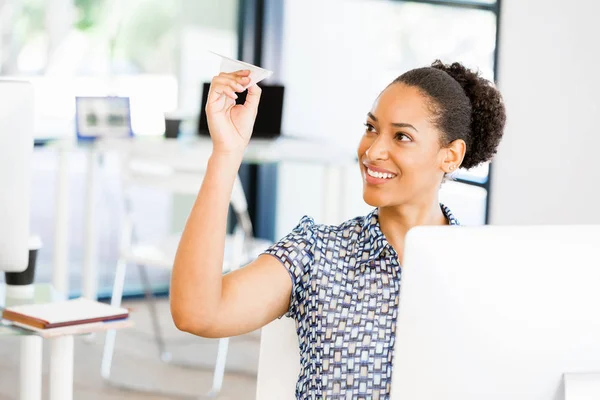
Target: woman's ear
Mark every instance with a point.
(454, 154)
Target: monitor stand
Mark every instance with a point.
(582, 386)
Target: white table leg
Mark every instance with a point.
(60, 271)
(61, 368)
(30, 379)
(219, 372)
(109, 341)
(90, 278)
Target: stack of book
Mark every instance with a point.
(77, 315)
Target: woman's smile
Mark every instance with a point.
(376, 175)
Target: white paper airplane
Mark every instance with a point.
(257, 74)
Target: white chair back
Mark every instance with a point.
(279, 361)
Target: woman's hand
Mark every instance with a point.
(230, 124)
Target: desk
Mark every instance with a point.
(61, 347)
(185, 153)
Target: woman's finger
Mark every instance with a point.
(234, 76)
(219, 87)
(241, 72)
(242, 76)
(253, 97)
(228, 83)
(236, 84)
(218, 91)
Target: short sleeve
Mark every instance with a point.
(296, 252)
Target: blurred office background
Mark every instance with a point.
(333, 58)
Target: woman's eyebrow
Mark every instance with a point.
(394, 124)
(404, 125)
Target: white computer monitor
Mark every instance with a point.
(16, 149)
(498, 313)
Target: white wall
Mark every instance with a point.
(547, 169)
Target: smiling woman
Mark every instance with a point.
(339, 283)
(425, 125)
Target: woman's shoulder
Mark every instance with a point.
(307, 224)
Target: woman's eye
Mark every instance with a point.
(369, 127)
(403, 138)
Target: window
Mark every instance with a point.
(337, 60)
(353, 49)
(153, 51)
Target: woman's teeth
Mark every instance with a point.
(380, 175)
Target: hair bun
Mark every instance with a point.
(488, 115)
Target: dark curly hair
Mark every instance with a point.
(464, 105)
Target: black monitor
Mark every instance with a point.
(270, 110)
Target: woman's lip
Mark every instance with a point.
(376, 181)
(377, 169)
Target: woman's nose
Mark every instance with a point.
(378, 149)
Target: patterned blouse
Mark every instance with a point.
(346, 281)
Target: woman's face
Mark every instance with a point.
(400, 157)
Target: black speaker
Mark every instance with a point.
(270, 111)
